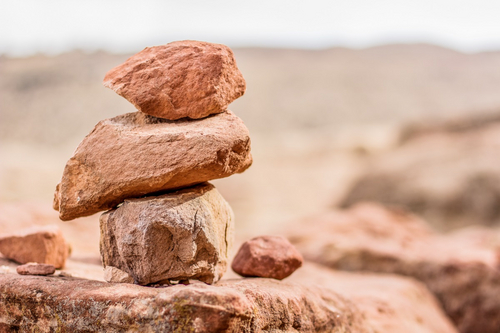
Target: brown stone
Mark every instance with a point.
(134, 154)
(82, 234)
(314, 299)
(461, 272)
(267, 256)
(181, 235)
(44, 245)
(180, 79)
(35, 269)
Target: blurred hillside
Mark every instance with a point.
(61, 97)
(314, 117)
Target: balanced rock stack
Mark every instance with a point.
(150, 168)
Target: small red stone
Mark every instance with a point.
(267, 256)
(35, 269)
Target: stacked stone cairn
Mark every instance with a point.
(149, 169)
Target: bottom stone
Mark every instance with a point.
(253, 305)
(314, 299)
(186, 234)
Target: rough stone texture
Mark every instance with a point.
(315, 299)
(115, 275)
(462, 272)
(180, 79)
(267, 256)
(134, 154)
(448, 174)
(35, 269)
(255, 305)
(44, 245)
(181, 235)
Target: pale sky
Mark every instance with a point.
(52, 26)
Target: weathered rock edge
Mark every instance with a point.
(133, 154)
(180, 79)
(250, 305)
(186, 234)
(464, 275)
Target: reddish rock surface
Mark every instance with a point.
(315, 299)
(180, 79)
(78, 305)
(463, 273)
(267, 256)
(44, 245)
(134, 154)
(186, 234)
(35, 269)
(389, 303)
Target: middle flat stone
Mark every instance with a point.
(180, 235)
(134, 155)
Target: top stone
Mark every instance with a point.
(181, 79)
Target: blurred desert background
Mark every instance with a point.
(412, 125)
